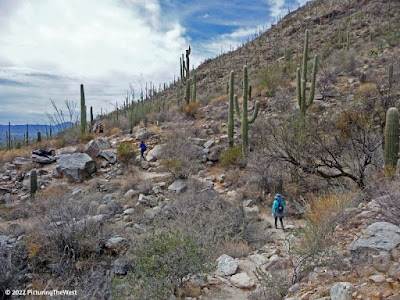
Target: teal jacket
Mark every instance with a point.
(278, 198)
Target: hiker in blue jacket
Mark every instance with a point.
(278, 210)
(142, 149)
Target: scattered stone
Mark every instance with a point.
(378, 278)
(342, 291)
(21, 161)
(129, 194)
(178, 186)
(242, 280)
(116, 244)
(129, 211)
(150, 213)
(155, 153)
(231, 194)
(382, 261)
(76, 166)
(143, 134)
(215, 153)
(137, 228)
(226, 265)
(119, 172)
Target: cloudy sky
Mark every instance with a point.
(49, 47)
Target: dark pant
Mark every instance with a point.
(276, 221)
(142, 153)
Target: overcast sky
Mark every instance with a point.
(49, 47)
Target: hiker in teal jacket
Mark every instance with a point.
(278, 210)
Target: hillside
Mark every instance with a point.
(193, 219)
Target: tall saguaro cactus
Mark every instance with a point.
(231, 89)
(194, 87)
(391, 139)
(83, 111)
(303, 102)
(243, 117)
(34, 184)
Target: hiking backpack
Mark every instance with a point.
(280, 207)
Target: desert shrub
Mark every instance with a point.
(272, 286)
(114, 130)
(202, 214)
(175, 166)
(271, 77)
(322, 215)
(345, 61)
(162, 262)
(387, 193)
(126, 152)
(235, 249)
(13, 268)
(230, 156)
(87, 137)
(326, 80)
(181, 151)
(191, 109)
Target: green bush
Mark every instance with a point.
(230, 156)
(126, 152)
(162, 262)
(175, 166)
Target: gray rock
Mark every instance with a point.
(143, 134)
(150, 213)
(342, 291)
(137, 228)
(258, 259)
(129, 211)
(21, 161)
(129, 194)
(242, 281)
(43, 159)
(144, 164)
(119, 172)
(226, 265)
(251, 212)
(382, 261)
(109, 155)
(384, 236)
(120, 268)
(178, 186)
(247, 203)
(94, 147)
(4, 239)
(209, 144)
(76, 166)
(103, 209)
(215, 153)
(294, 288)
(155, 153)
(379, 278)
(151, 200)
(116, 244)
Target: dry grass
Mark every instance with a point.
(114, 130)
(220, 98)
(235, 249)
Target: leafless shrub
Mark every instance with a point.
(387, 194)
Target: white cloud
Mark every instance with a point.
(92, 41)
(277, 7)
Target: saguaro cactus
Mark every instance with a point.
(243, 117)
(391, 139)
(231, 88)
(302, 101)
(33, 177)
(39, 137)
(91, 117)
(194, 87)
(27, 135)
(187, 97)
(83, 111)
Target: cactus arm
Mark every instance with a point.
(314, 75)
(304, 67)
(237, 110)
(255, 113)
(231, 87)
(298, 89)
(391, 139)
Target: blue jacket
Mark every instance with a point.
(143, 146)
(278, 198)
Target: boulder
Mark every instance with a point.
(151, 212)
(109, 155)
(94, 147)
(383, 236)
(342, 291)
(251, 212)
(76, 166)
(178, 186)
(155, 153)
(242, 280)
(209, 144)
(129, 194)
(258, 259)
(143, 134)
(215, 153)
(21, 161)
(116, 244)
(42, 159)
(226, 265)
(145, 165)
